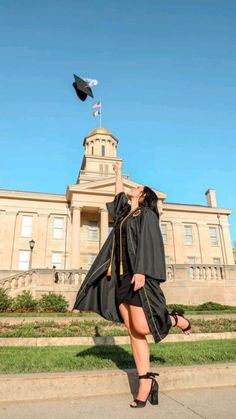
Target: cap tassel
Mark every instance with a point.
(109, 271)
(121, 268)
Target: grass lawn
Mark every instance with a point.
(100, 328)
(47, 314)
(71, 358)
(92, 314)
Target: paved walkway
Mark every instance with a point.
(207, 403)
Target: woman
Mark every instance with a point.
(123, 284)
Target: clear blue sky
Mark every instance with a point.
(166, 72)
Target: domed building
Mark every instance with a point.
(44, 236)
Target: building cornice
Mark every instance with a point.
(168, 206)
(32, 196)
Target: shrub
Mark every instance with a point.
(210, 305)
(171, 307)
(5, 300)
(24, 301)
(53, 302)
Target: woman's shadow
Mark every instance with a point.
(118, 356)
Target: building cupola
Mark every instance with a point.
(100, 142)
(100, 154)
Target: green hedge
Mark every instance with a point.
(208, 306)
(5, 300)
(52, 302)
(25, 302)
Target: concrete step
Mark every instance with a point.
(109, 340)
(65, 320)
(82, 384)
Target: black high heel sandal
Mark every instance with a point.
(153, 394)
(180, 312)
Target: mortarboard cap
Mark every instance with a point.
(82, 88)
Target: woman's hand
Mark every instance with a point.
(138, 280)
(117, 167)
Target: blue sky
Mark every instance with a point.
(166, 72)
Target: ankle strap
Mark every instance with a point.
(149, 375)
(174, 315)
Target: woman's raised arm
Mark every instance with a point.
(119, 182)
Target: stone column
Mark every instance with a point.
(227, 246)
(75, 238)
(9, 252)
(178, 239)
(104, 230)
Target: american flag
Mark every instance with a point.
(96, 105)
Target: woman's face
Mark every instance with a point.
(136, 192)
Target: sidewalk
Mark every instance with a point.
(69, 385)
(207, 403)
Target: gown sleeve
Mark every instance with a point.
(150, 255)
(117, 205)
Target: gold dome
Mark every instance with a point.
(100, 131)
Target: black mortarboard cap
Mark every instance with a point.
(82, 88)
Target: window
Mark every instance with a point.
(92, 149)
(213, 236)
(26, 228)
(188, 232)
(164, 233)
(24, 257)
(58, 228)
(191, 260)
(216, 261)
(93, 231)
(56, 259)
(103, 150)
(91, 259)
(101, 168)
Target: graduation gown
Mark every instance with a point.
(146, 254)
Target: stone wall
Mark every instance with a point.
(186, 284)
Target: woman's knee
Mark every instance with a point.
(139, 322)
(141, 330)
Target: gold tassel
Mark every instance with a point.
(109, 271)
(121, 268)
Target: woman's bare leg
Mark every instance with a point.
(139, 345)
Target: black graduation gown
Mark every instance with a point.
(146, 254)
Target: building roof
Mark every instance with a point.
(100, 131)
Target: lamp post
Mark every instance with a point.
(31, 245)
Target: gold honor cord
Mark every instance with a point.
(109, 272)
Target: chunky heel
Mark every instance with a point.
(153, 394)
